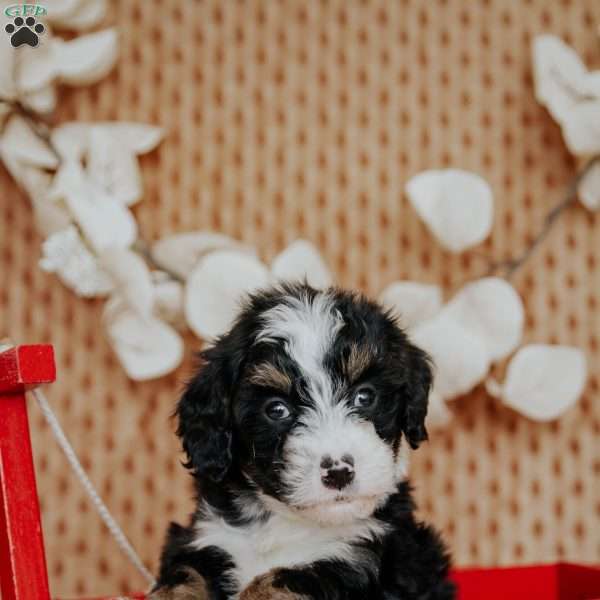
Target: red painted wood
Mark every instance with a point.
(550, 582)
(24, 367)
(23, 573)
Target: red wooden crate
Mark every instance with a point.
(23, 573)
(549, 582)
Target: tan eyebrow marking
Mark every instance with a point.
(359, 359)
(269, 375)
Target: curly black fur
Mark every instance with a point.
(239, 457)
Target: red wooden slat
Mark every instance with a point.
(24, 367)
(23, 573)
(22, 562)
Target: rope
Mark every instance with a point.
(88, 486)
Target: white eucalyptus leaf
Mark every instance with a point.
(42, 100)
(138, 138)
(113, 167)
(146, 347)
(581, 129)
(49, 216)
(20, 143)
(168, 301)
(87, 58)
(131, 278)
(104, 221)
(559, 75)
(438, 413)
(85, 14)
(34, 180)
(588, 188)
(37, 67)
(181, 252)
(460, 357)
(591, 85)
(491, 309)
(216, 288)
(65, 254)
(544, 381)
(301, 261)
(412, 302)
(71, 140)
(456, 205)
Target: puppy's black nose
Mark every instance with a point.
(338, 478)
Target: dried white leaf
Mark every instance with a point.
(569, 91)
(87, 58)
(36, 67)
(460, 357)
(104, 221)
(216, 288)
(491, 309)
(42, 100)
(20, 143)
(138, 138)
(180, 253)
(131, 277)
(146, 347)
(71, 140)
(581, 129)
(588, 188)
(412, 302)
(456, 205)
(77, 14)
(559, 75)
(113, 167)
(438, 413)
(49, 216)
(543, 381)
(65, 254)
(301, 261)
(168, 300)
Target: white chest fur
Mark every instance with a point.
(280, 542)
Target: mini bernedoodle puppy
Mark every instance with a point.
(296, 429)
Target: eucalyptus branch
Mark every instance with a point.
(511, 265)
(42, 129)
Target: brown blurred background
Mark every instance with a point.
(292, 119)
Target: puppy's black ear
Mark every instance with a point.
(204, 414)
(415, 393)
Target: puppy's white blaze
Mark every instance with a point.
(282, 541)
(308, 328)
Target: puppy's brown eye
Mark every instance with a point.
(277, 410)
(364, 397)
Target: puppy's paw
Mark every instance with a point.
(263, 588)
(193, 588)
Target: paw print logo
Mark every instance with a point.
(24, 31)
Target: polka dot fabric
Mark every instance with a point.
(290, 119)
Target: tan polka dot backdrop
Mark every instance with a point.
(290, 119)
